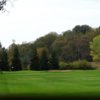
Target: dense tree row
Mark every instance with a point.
(10, 59)
(71, 45)
(80, 43)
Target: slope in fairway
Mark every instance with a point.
(46, 83)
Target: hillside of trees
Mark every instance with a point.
(72, 49)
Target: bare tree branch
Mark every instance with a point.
(2, 4)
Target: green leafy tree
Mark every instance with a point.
(83, 29)
(58, 45)
(76, 48)
(14, 58)
(34, 62)
(67, 33)
(46, 41)
(95, 48)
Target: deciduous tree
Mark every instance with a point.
(95, 48)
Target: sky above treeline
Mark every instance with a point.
(27, 20)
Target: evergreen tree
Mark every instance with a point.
(14, 58)
(4, 59)
(54, 60)
(34, 62)
(44, 60)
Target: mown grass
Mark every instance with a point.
(48, 83)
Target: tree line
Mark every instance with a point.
(52, 50)
(10, 59)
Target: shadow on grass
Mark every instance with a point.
(49, 97)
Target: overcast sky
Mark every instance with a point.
(27, 20)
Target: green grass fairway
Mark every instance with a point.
(50, 83)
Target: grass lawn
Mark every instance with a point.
(50, 83)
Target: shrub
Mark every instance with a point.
(76, 65)
(95, 65)
(64, 66)
(81, 64)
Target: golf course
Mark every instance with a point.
(77, 83)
